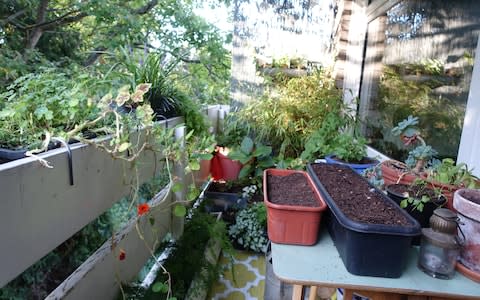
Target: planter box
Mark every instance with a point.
(222, 201)
(367, 249)
(288, 224)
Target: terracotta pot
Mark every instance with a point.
(446, 189)
(224, 168)
(290, 224)
(202, 175)
(467, 204)
(394, 172)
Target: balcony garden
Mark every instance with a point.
(142, 154)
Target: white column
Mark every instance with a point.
(469, 151)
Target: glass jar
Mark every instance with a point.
(439, 248)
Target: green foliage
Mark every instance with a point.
(458, 175)
(188, 256)
(255, 158)
(52, 101)
(250, 228)
(349, 148)
(419, 194)
(234, 130)
(285, 118)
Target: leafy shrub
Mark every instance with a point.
(288, 114)
(250, 226)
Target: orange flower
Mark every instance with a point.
(122, 255)
(143, 209)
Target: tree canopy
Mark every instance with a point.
(66, 32)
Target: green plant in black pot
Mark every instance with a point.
(418, 194)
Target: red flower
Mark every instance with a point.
(122, 255)
(143, 209)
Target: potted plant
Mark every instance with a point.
(371, 232)
(225, 195)
(350, 151)
(449, 177)
(418, 158)
(294, 207)
(467, 204)
(418, 199)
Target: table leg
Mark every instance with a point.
(297, 292)
(313, 292)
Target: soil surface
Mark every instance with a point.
(416, 191)
(291, 190)
(226, 187)
(356, 198)
(364, 160)
(472, 196)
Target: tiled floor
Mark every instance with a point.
(247, 282)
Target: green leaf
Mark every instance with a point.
(205, 156)
(237, 155)
(180, 210)
(245, 171)
(403, 203)
(123, 147)
(262, 151)
(160, 287)
(247, 145)
(194, 165)
(177, 187)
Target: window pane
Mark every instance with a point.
(419, 62)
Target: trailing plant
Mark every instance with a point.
(255, 158)
(54, 101)
(250, 228)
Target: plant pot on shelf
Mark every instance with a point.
(467, 204)
(359, 167)
(201, 176)
(396, 172)
(371, 232)
(294, 207)
(222, 196)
